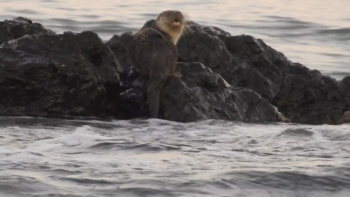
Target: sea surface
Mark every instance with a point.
(49, 157)
(138, 158)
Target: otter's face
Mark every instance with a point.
(173, 19)
(172, 22)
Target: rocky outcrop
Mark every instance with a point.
(301, 94)
(58, 75)
(227, 77)
(201, 94)
(18, 27)
(119, 44)
(345, 88)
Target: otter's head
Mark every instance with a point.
(171, 22)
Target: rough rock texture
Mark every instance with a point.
(43, 74)
(18, 27)
(133, 96)
(303, 95)
(58, 75)
(345, 88)
(204, 44)
(118, 44)
(201, 94)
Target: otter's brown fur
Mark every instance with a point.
(154, 54)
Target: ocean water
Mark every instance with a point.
(74, 158)
(48, 157)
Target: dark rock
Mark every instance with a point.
(119, 45)
(201, 94)
(215, 31)
(345, 88)
(192, 26)
(133, 97)
(19, 27)
(197, 45)
(58, 75)
(301, 94)
(43, 74)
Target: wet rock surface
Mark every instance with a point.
(227, 77)
(345, 88)
(303, 95)
(18, 27)
(201, 94)
(119, 44)
(58, 75)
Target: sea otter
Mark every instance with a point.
(153, 52)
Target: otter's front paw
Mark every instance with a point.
(177, 74)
